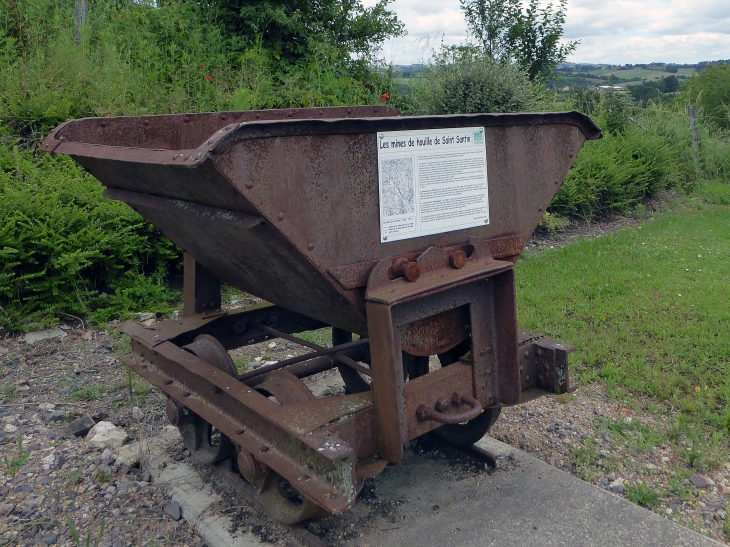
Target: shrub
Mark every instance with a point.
(463, 80)
(66, 250)
(618, 171)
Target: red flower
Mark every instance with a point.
(385, 97)
(209, 78)
(201, 65)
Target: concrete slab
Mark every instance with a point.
(197, 500)
(428, 500)
(47, 334)
(527, 503)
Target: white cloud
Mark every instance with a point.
(610, 31)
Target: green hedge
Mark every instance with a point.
(66, 250)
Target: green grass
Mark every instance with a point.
(13, 465)
(321, 337)
(647, 309)
(642, 494)
(86, 393)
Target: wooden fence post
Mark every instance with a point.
(81, 12)
(692, 111)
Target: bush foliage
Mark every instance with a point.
(464, 80)
(66, 250)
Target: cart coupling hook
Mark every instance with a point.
(425, 412)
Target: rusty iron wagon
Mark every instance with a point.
(400, 230)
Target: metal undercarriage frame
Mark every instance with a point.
(326, 447)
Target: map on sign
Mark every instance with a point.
(432, 181)
(398, 186)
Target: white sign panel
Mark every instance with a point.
(432, 181)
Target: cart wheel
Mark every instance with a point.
(283, 502)
(459, 435)
(206, 444)
(278, 497)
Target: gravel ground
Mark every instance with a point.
(54, 480)
(51, 481)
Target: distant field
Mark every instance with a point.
(642, 73)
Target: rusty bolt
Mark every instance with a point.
(422, 413)
(442, 405)
(280, 216)
(251, 469)
(405, 268)
(458, 259)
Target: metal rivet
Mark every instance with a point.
(240, 431)
(186, 120)
(223, 116)
(310, 246)
(527, 354)
(249, 185)
(264, 449)
(210, 141)
(280, 216)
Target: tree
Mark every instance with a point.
(527, 35)
(710, 89)
(290, 27)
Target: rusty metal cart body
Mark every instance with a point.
(286, 205)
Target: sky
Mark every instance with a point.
(610, 31)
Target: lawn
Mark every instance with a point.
(648, 308)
